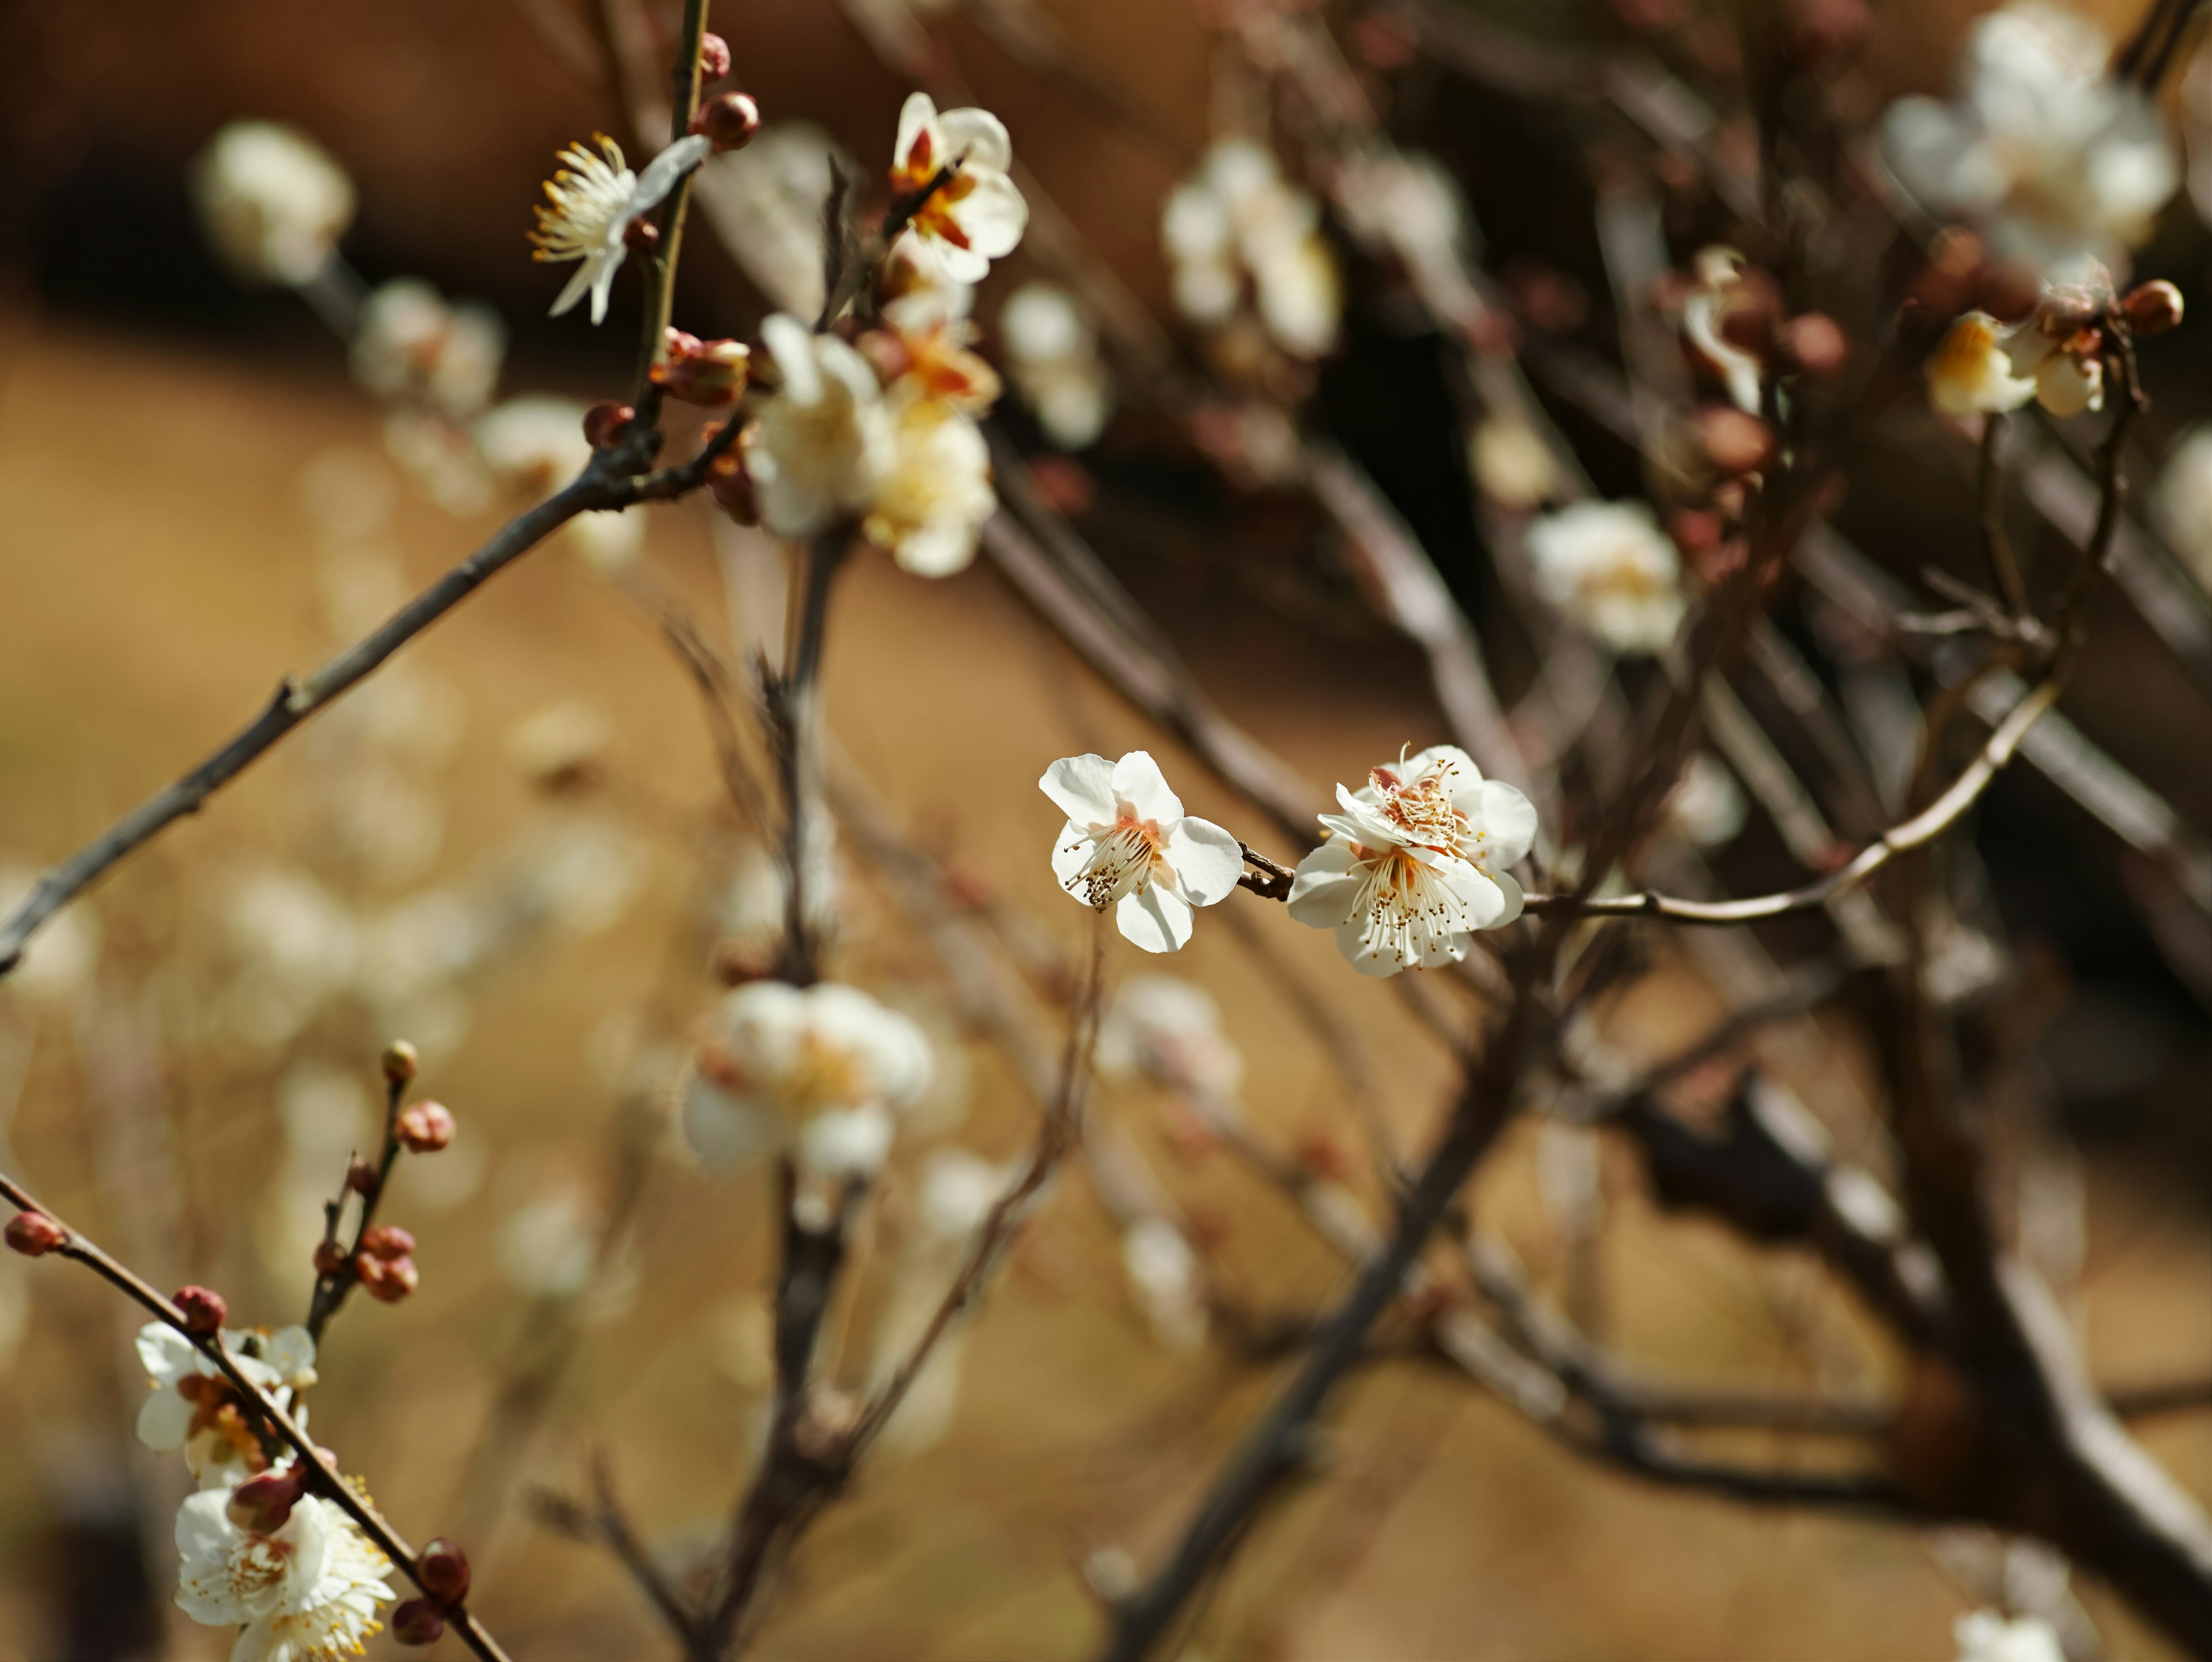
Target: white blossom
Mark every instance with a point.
(595, 199)
(1129, 844)
(978, 215)
(1163, 1272)
(1053, 353)
(1163, 1028)
(194, 1409)
(936, 493)
(2040, 147)
(309, 1590)
(1612, 571)
(2181, 500)
(1706, 806)
(1418, 861)
(1986, 1636)
(1237, 216)
(414, 345)
(1983, 366)
(956, 1192)
(273, 201)
(1512, 464)
(825, 441)
(781, 1058)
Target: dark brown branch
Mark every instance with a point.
(332, 1289)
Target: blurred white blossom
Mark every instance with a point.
(1129, 844)
(1706, 807)
(936, 493)
(1169, 1031)
(1163, 1273)
(309, 1590)
(1512, 464)
(766, 200)
(534, 445)
(2041, 147)
(548, 1245)
(594, 201)
(824, 442)
(192, 1408)
(1984, 368)
(1611, 571)
(2182, 501)
(414, 346)
(1237, 216)
(1719, 274)
(1986, 1636)
(273, 201)
(978, 215)
(1053, 352)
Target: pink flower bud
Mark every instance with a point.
(709, 373)
(713, 57)
(606, 422)
(387, 1240)
(732, 487)
(424, 1128)
(441, 1568)
(2154, 308)
(260, 1505)
(400, 1061)
(329, 1257)
(203, 1311)
(386, 1279)
(417, 1622)
(640, 236)
(729, 121)
(34, 1234)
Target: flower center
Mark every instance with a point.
(1120, 863)
(1421, 810)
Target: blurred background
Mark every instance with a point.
(512, 847)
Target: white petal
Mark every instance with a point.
(1082, 788)
(165, 1419)
(603, 284)
(1070, 854)
(1510, 820)
(1509, 887)
(579, 285)
(166, 1354)
(939, 550)
(917, 116)
(1154, 919)
(1206, 860)
(959, 265)
(792, 347)
(257, 1642)
(977, 138)
(723, 1130)
(993, 215)
(661, 174)
(1326, 885)
(1138, 783)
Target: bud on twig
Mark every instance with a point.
(417, 1622)
(400, 1061)
(361, 1174)
(34, 1234)
(2154, 308)
(261, 1504)
(1735, 443)
(424, 1128)
(732, 487)
(729, 121)
(203, 1311)
(708, 373)
(1814, 344)
(441, 1569)
(606, 422)
(714, 57)
(640, 236)
(386, 1279)
(387, 1240)
(329, 1257)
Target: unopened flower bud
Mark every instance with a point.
(1735, 443)
(386, 1279)
(606, 422)
(708, 373)
(640, 236)
(34, 1234)
(714, 57)
(260, 1505)
(417, 1622)
(329, 1257)
(361, 1174)
(203, 1311)
(732, 487)
(441, 1569)
(2009, 293)
(387, 1240)
(1814, 344)
(424, 1128)
(2154, 308)
(824, 1424)
(729, 120)
(400, 1061)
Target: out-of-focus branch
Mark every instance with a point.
(602, 1522)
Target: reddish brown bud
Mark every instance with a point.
(1695, 531)
(714, 57)
(34, 1234)
(387, 1240)
(1323, 1156)
(728, 120)
(400, 1061)
(417, 1622)
(708, 373)
(361, 1174)
(640, 236)
(441, 1569)
(1814, 344)
(606, 422)
(2154, 308)
(386, 1279)
(732, 488)
(424, 1128)
(329, 1257)
(260, 1505)
(203, 1311)
(1735, 443)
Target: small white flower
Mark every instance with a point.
(273, 202)
(956, 1192)
(2181, 500)
(1986, 1636)
(978, 215)
(1612, 571)
(411, 344)
(308, 1592)
(1512, 464)
(1418, 860)
(1983, 367)
(1161, 1028)
(783, 1058)
(1237, 216)
(2042, 148)
(825, 442)
(595, 199)
(936, 493)
(1719, 272)
(1706, 807)
(1129, 844)
(1163, 1272)
(1053, 352)
(194, 1409)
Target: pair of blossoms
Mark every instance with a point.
(879, 428)
(2054, 356)
(1418, 861)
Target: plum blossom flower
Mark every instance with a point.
(1610, 568)
(1417, 862)
(1983, 366)
(2181, 501)
(1053, 353)
(1165, 1029)
(1237, 216)
(1986, 1636)
(1163, 1273)
(273, 201)
(978, 215)
(1706, 806)
(594, 201)
(825, 442)
(2051, 156)
(823, 1069)
(1129, 844)
(193, 1408)
(412, 345)
(1971, 374)
(937, 492)
(308, 1590)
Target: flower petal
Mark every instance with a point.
(1082, 788)
(959, 265)
(1154, 919)
(992, 215)
(792, 347)
(602, 284)
(165, 1419)
(1509, 819)
(166, 1354)
(1509, 887)
(977, 138)
(1070, 854)
(1206, 860)
(1326, 887)
(579, 286)
(661, 174)
(725, 1130)
(937, 550)
(1138, 783)
(917, 116)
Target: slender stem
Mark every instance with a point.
(794, 700)
(660, 289)
(328, 1483)
(331, 1290)
(1995, 544)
